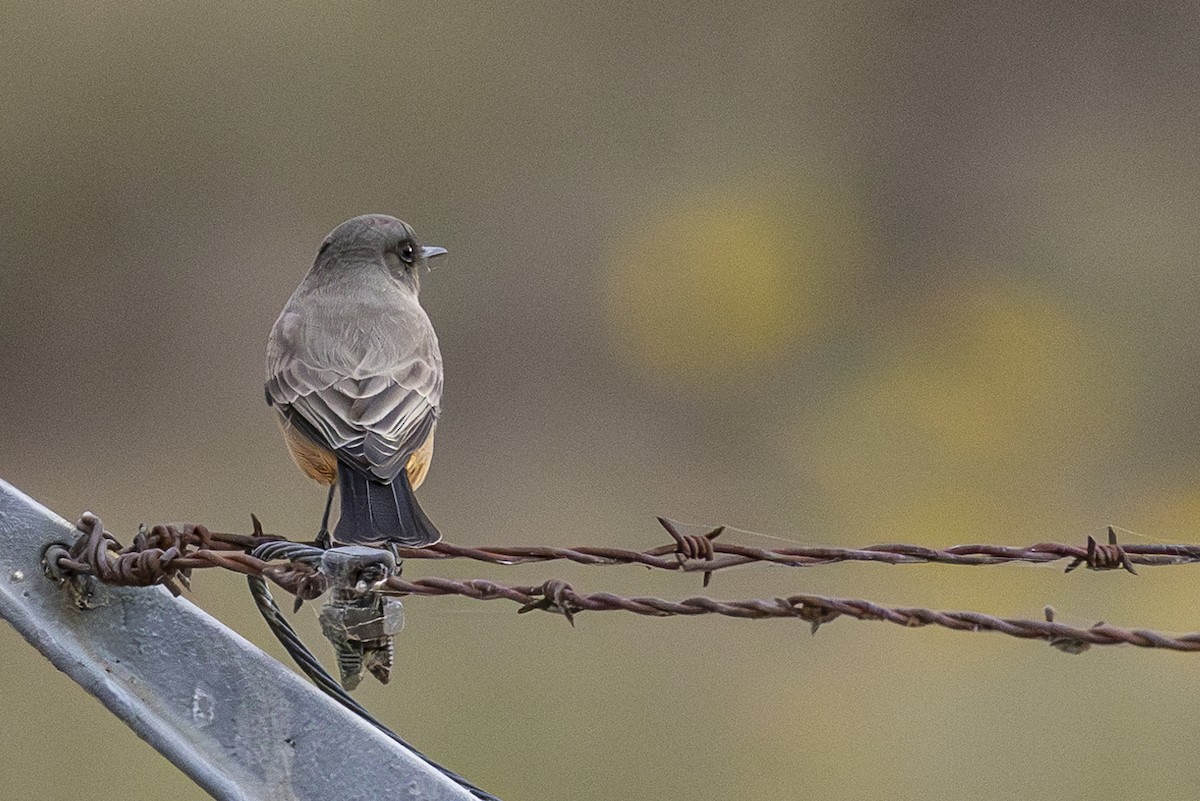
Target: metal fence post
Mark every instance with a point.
(232, 718)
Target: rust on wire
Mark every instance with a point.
(1104, 557)
(692, 546)
(164, 554)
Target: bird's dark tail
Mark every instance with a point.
(374, 513)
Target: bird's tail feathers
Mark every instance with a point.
(374, 513)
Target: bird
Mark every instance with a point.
(354, 371)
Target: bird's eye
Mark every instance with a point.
(408, 252)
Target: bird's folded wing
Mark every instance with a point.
(374, 422)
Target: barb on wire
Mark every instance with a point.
(1104, 557)
(692, 546)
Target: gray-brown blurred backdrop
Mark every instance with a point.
(837, 272)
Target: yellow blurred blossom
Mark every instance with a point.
(724, 281)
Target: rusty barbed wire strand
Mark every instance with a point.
(690, 554)
(701, 553)
(557, 596)
(163, 554)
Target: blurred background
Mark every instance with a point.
(833, 272)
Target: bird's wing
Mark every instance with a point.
(373, 415)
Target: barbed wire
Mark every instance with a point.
(817, 610)
(166, 555)
(701, 553)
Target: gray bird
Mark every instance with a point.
(354, 370)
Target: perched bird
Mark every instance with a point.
(354, 370)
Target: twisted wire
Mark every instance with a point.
(183, 547)
(705, 554)
(559, 597)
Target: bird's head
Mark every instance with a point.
(378, 238)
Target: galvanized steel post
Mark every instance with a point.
(235, 720)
